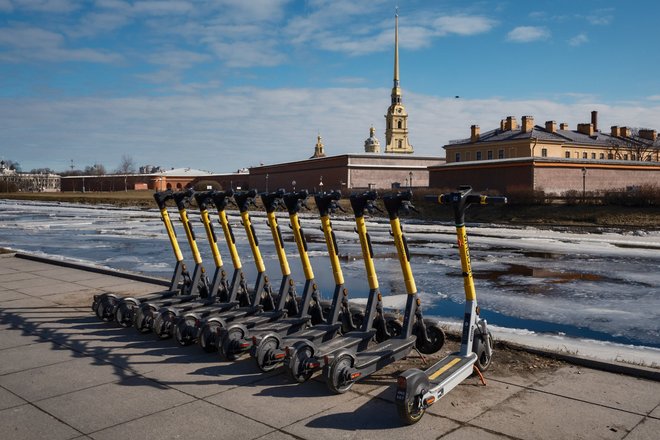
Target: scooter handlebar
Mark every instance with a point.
(221, 198)
(451, 198)
(364, 201)
(294, 201)
(162, 197)
(244, 199)
(203, 198)
(182, 197)
(326, 202)
(272, 200)
(400, 201)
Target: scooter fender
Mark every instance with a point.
(299, 345)
(103, 297)
(410, 382)
(221, 322)
(257, 340)
(328, 360)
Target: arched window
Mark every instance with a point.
(400, 143)
(179, 186)
(169, 186)
(398, 124)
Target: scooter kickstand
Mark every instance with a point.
(424, 359)
(481, 376)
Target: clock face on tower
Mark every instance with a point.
(398, 110)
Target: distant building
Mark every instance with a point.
(396, 130)
(550, 158)
(345, 172)
(318, 149)
(11, 180)
(372, 144)
(511, 141)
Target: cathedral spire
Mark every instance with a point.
(396, 90)
(396, 131)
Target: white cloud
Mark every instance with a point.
(31, 43)
(654, 98)
(601, 17)
(463, 25)
(48, 6)
(6, 6)
(528, 34)
(578, 40)
(269, 126)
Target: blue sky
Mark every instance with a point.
(219, 85)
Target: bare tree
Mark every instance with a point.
(635, 144)
(95, 170)
(127, 165)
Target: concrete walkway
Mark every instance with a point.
(64, 374)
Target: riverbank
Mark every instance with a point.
(555, 215)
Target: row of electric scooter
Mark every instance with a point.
(306, 333)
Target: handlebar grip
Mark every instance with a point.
(162, 197)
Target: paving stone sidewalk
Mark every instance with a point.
(65, 375)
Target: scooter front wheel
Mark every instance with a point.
(143, 319)
(264, 352)
(336, 379)
(296, 368)
(479, 347)
(209, 335)
(410, 411)
(436, 339)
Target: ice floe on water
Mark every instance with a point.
(601, 286)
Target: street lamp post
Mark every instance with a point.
(266, 182)
(584, 184)
(293, 184)
(410, 174)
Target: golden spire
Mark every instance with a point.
(396, 91)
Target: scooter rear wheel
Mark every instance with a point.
(185, 331)
(209, 335)
(296, 368)
(143, 318)
(228, 343)
(436, 338)
(335, 379)
(106, 307)
(125, 313)
(410, 412)
(162, 325)
(263, 354)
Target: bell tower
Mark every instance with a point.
(319, 148)
(396, 129)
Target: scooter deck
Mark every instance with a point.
(385, 353)
(175, 300)
(313, 333)
(445, 369)
(261, 318)
(349, 340)
(283, 326)
(206, 307)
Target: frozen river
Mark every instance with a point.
(602, 286)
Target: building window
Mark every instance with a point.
(478, 155)
(633, 157)
(400, 143)
(544, 152)
(398, 124)
(458, 157)
(584, 155)
(567, 155)
(593, 155)
(602, 156)
(500, 154)
(625, 157)
(490, 154)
